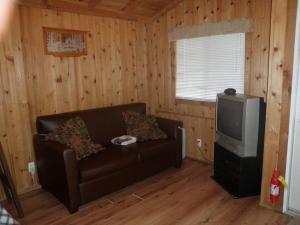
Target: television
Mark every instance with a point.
(239, 123)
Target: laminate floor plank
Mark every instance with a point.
(186, 196)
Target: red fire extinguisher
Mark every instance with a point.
(275, 187)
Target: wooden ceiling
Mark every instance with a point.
(136, 10)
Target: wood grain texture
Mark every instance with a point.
(199, 117)
(32, 83)
(279, 92)
(186, 196)
(135, 10)
(131, 61)
(93, 3)
(15, 112)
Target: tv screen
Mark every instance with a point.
(230, 118)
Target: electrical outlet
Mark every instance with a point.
(199, 143)
(31, 167)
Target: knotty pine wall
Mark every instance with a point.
(33, 84)
(268, 73)
(129, 61)
(282, 38)
(198, 118)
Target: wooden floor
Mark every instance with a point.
(177, 196)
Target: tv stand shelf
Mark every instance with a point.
(240, 176)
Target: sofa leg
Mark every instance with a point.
(73, 210)
(178, 164)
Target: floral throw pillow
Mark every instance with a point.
(74, 134)
(143, 127)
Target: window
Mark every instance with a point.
(206, 66)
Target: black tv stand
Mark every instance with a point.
(240, 176)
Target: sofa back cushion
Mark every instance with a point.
(74, 134)
(103, 123)
(143, 127)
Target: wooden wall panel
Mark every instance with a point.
(197, 127)
(129, 61)
(161, 65)
(32, 83)
(279, 92)
(15, 130)
(110, 74)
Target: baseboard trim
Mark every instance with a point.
(25, 193)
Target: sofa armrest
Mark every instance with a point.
(172, 129)
(58, 171)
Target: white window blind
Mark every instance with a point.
(206, 66)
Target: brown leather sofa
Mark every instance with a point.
(77, 182)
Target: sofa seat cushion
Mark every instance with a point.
(151, 149)
(107, 161)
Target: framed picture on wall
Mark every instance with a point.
(64, 42)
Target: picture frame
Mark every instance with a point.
(64, 42)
